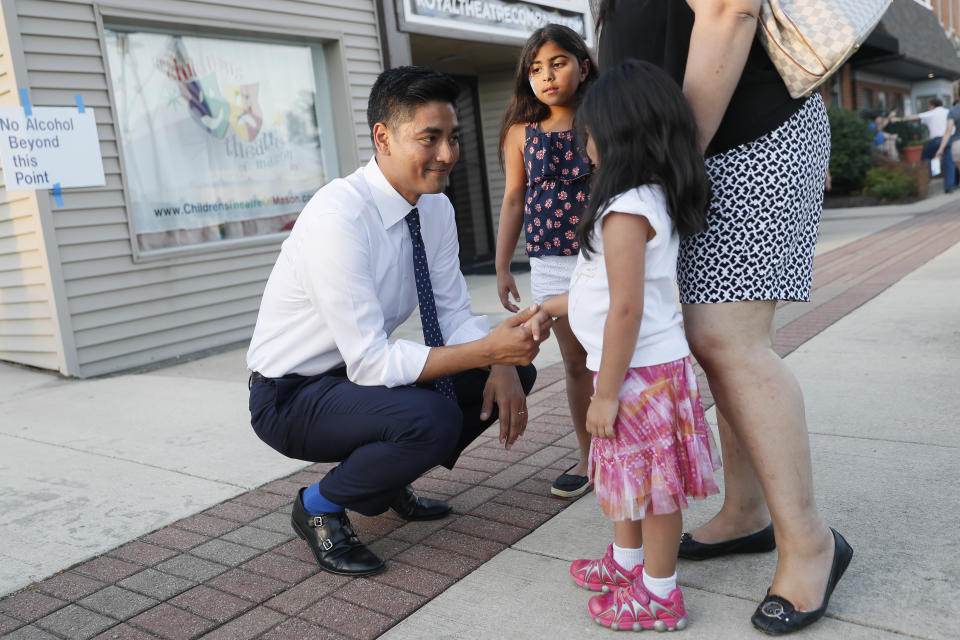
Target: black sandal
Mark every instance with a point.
(568, 485)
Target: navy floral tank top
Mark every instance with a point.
(558, 190)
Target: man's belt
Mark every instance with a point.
(259, 377)
(256, 377)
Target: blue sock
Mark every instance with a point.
(315, 503)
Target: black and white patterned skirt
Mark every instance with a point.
(764, 216)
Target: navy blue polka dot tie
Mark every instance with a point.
(432, 335)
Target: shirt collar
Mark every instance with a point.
(392, 206)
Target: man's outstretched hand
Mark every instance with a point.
(512, 342)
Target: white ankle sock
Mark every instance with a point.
(627, 558)
(660, 587)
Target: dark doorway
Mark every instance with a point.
(467, 188)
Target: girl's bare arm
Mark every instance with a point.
(624, 246)
(511, 214)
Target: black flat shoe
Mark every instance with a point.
(777, 616)
(409, 506)
(333, 541)
(758, 542)
(568, 485)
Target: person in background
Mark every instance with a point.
(945, 149)
(936, 118)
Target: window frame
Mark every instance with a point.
(331, 84)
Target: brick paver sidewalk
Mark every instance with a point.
(237, 571)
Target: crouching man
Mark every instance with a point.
(327, 386)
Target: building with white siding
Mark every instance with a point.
(104, 283)
(216, 120)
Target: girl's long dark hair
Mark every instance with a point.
(644, 132)
(524, 106)
(604, 8)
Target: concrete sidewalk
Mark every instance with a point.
(90, 465)
(882, 406)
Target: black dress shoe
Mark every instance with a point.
(333, 541)
(778, 616)
(410, 506)
(758, 542)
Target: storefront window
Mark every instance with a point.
(222, 139)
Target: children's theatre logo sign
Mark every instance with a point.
(215, 132)
(211, 108)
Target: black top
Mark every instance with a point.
(659, 31)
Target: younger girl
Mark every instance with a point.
(651, 445)
(547, 188)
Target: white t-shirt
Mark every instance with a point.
(661, 336)
(936, 121)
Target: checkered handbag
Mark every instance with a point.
(808, 40)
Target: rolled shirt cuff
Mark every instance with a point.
(475, 328)
(405, 362)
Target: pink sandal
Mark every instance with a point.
(603, 574)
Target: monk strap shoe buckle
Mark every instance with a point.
(333, 542)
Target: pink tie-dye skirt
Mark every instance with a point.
(664, 450)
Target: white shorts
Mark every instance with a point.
(550, 276)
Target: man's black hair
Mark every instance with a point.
(398, 92)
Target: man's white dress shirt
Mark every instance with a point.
(936, 121)
(344, 282)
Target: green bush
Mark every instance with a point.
(851, 153)
(889, 183)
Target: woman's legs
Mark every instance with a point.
(744, 509)
(579, 387)
(746, 512)
(763, 406)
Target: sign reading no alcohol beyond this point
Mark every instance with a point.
(53, 145)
